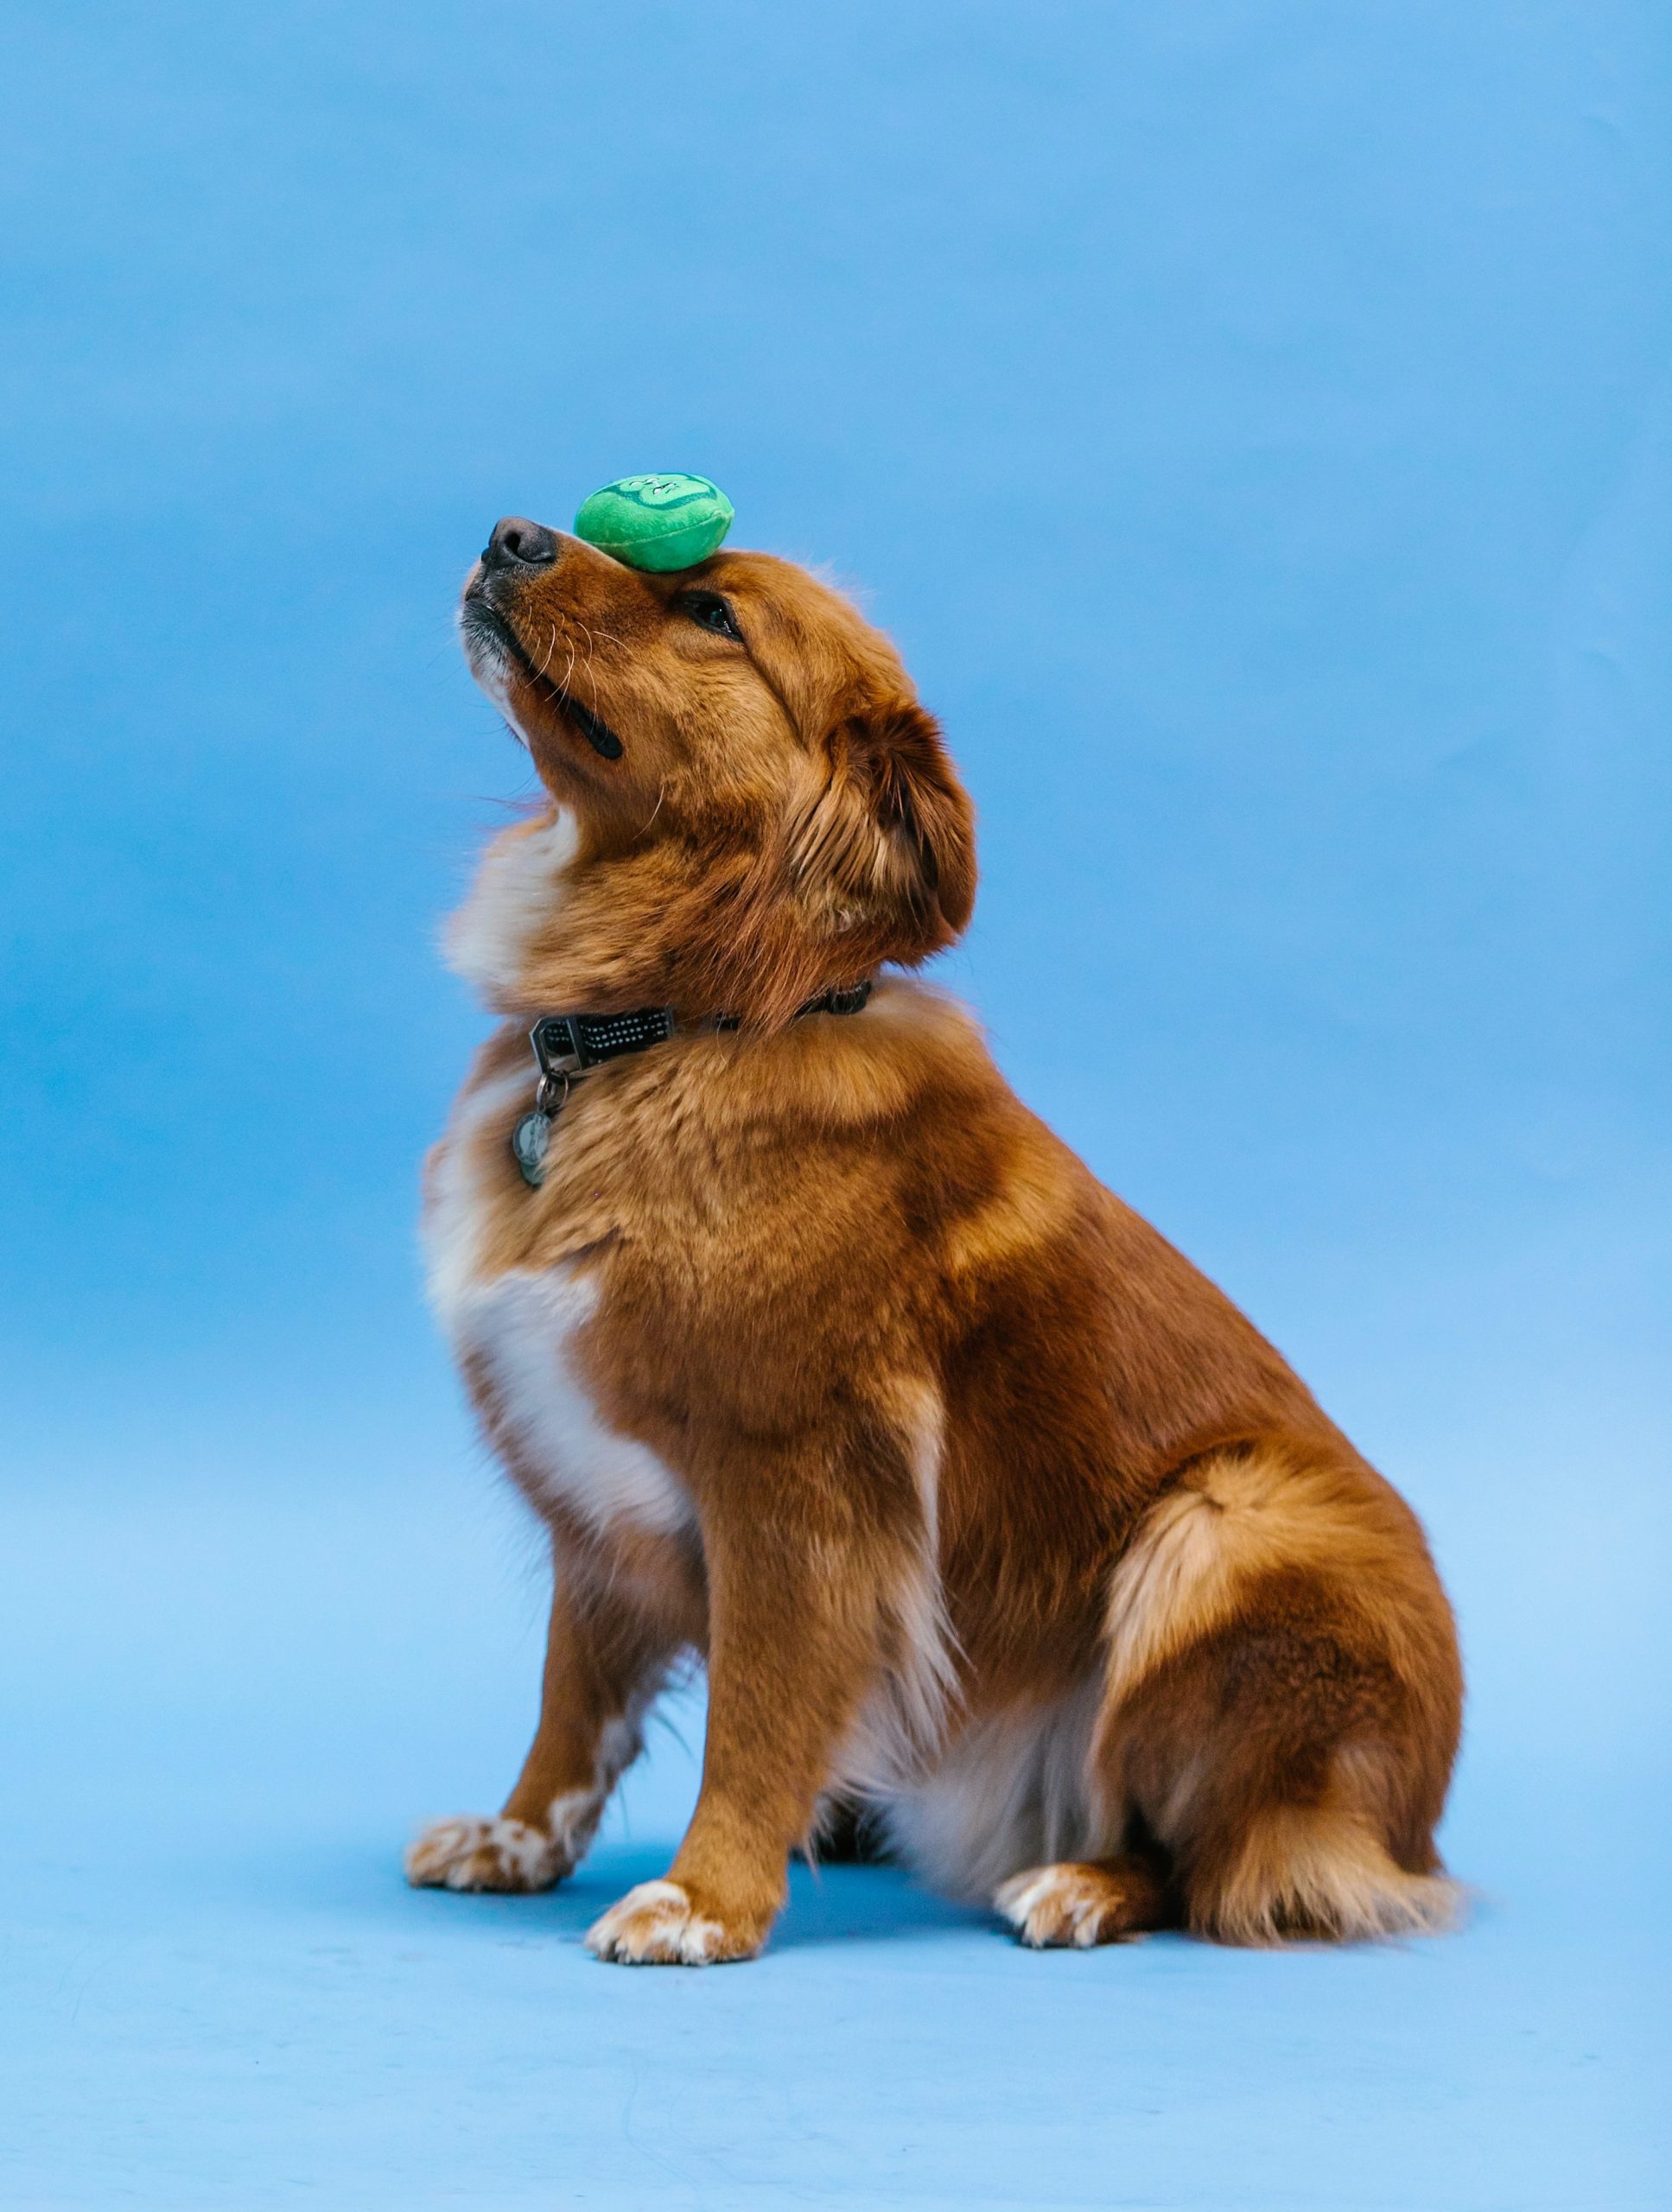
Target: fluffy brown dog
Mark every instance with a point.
(819, 1356)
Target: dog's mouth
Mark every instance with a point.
(484, 624)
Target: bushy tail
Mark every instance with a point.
(1295, 1872)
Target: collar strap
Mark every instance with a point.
(567, 1044)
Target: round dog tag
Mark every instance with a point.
(529, 1140)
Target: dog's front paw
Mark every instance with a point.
(658, 1925)
(477, 1854)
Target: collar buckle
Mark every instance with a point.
(556, 1046)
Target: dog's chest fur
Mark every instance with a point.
(518, 1322)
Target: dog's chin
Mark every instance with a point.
(488, 644)
(492, 658)
(500, 664)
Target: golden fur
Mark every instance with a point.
(821, 1357)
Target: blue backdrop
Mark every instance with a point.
(1252, 421)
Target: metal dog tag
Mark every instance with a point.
(529, 1140)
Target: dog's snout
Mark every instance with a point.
(518, 544)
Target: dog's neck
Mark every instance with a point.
(708, 933)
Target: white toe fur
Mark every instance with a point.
(467, 1854)
(655, 1925)
(1052, 1906)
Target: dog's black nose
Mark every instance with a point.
(517, 542)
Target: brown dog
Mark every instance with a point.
(819, 1356)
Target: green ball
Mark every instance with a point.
(657, 522)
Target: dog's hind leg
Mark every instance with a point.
(1280, 1712)
(1079, 1903)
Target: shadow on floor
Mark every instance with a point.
(827, 1904)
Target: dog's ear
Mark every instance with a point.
(888, 846)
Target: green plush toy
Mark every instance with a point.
(657, 522)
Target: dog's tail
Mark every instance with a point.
(1318, 1872)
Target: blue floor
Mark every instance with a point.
(1251, 421)
(240, 1693)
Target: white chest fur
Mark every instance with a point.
(520, 1326)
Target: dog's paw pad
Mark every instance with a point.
(1065, 1907)
(657, 1925)
(479, 1854)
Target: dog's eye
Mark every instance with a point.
(713, 613)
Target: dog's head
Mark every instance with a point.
(743, 755)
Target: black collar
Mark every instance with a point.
(567, 1044)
